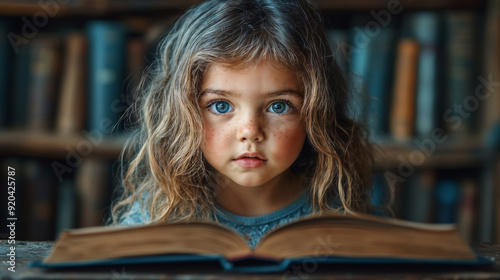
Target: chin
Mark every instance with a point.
(250, 183)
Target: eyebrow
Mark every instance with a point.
(267, 95)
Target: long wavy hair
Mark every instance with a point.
(163, 166)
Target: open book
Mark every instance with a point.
(327, 238)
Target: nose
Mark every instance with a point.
(250, 129)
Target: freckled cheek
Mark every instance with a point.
(288, 142)
(216, 137)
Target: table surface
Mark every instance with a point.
(28, 251)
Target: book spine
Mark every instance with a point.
(41, 198)
(136, 50)
(106, 64)
(92, 191)
(418, 196)
(466, 209)
(379, 82)
(44, 83)
(71, 114)
(403, 106)
(66, 206)
(22, 81)
(360, 52)
(426, 29)
(461, 28)
(447, 194)
(381, 196)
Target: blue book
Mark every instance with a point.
(447, 195)
(379, 82)
(358, 68)
(462, 31)
(380, 195)
(426, 29)
(107, 41)
(326, 239)
(66, 206)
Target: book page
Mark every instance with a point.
(364, 236)
(128, 241)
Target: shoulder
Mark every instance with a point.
(136, 215)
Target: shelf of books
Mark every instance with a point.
(424, 74)
(93, 8)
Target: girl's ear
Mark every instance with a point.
(304, 159)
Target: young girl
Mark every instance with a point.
(244, 122)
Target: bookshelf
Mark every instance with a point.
(95, 8)
(455, 157)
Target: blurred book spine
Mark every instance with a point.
(379, 82)
(447, 195)
(402, 119)
(72, 104)
(426, 29)
(107, 43)
(92, 190)
(461, 50)
(44, 83)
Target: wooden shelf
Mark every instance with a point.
(131, 7)
(466, 154)
(48, 145)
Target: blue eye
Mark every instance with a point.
(279, 108)
(220, 107)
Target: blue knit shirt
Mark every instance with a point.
(251, 228)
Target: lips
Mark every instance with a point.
(251, 155)
(250, 160)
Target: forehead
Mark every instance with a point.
(265, 73)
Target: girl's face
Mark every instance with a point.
(252, 122)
